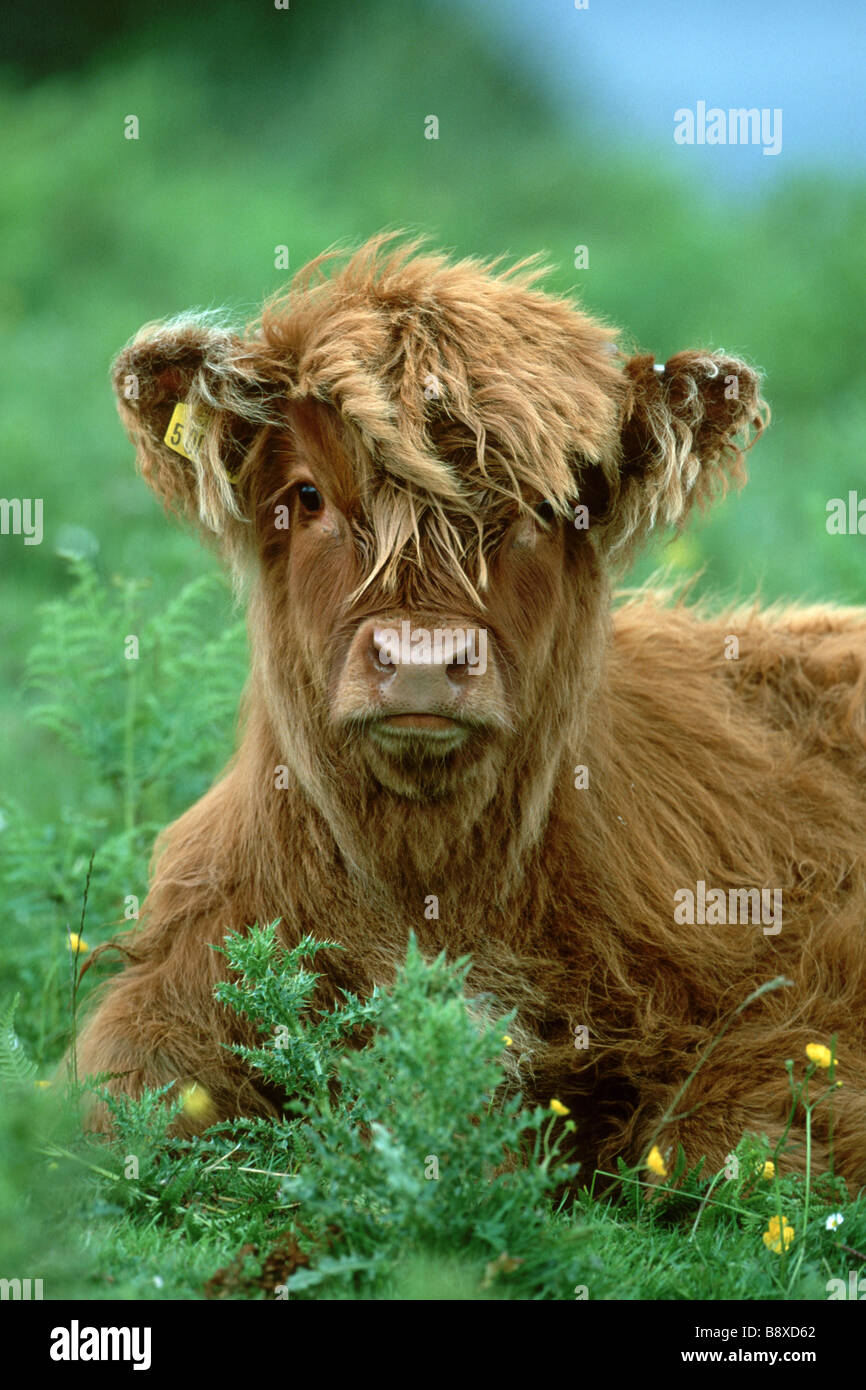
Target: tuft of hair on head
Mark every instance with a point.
(462, 389)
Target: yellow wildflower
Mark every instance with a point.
(558, 1108)
(768, 1170)
(503, 1264)
(685, 553)
(77, 944)
(196, 1101)
(509, 1042)
(820, 1055)
(778, 1235)
(656, 1163)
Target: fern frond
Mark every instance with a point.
(16, 1069)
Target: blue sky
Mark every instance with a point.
(622, 67)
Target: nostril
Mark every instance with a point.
(381, 663)
(381, 652)
(457, 671)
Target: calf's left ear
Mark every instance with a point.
(193, 397)
(685, 428)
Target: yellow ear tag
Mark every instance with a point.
(185, 433)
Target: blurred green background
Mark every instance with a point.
(261, 127)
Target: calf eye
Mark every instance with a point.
(310, 499)
(545, 511)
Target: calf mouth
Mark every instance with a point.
(417, 730)
(421, 755)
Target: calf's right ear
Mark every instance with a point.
(684, 431)
(192, 457)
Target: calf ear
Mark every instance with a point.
(685, 428)
(216, 378)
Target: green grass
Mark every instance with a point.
(416, 1178)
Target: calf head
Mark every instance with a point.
(430, 469)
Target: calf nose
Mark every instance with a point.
(401, 676)
(418, 669)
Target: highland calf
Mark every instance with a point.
(404, 446)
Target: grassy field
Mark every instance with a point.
(99, 234)
(397, 1190)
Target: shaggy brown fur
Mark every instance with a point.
(436, 408)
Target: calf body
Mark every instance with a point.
(411, 448)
